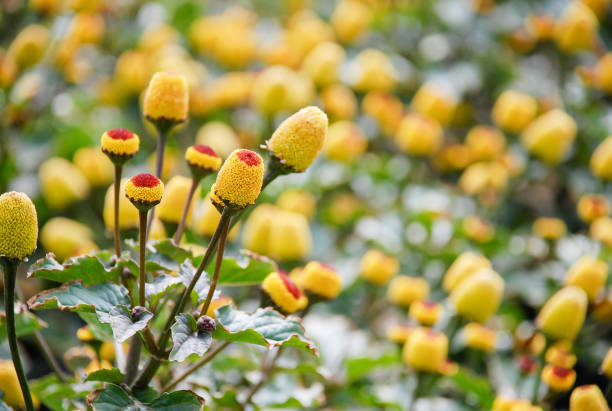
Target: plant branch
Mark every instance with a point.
(117, 187)
(215, 278)
(142, 249)
(181, 226)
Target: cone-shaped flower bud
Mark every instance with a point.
(590, 274)
(425, 350)
(202, 160)
(284, 292)
(588, 398)
(239, 181)
(377, 267)
(120, 145)
(167, 98)
(321, 279)
(478, 296)
(463, 266)
(144, 191)
(18, 225)
(563, 314)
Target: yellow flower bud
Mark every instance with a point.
(66, 238)
(323, 63)
(18, 225)
(128, 214)
(601, 75)
(206, 218)
(321, 279)
(96, 365)
(166, 98)
(173, 202)
(256, 234)
(107, 351)
(339, 102)
(479, 337)
(426, 312)
(601, 160)
(290, 237)
(9, 385)
(550, 136)
(590, 274)
(478, 229)
(50, 7)
(606, 365)
(588, 398)
(120, 143)
(602, 309)
(479, 177)
(479, 295)
(560, 354)
(505, 404)
(61, 183)
(8, 68)
(576, 29)
(601, 230)
(278, 88)
(305, 30)
(404, 290)
(436, 102)
(298, 140)
(593, 206)
(219, 136)
(298, 201)
(558, 379)
(87, 28)
(453, 157)
(549, 228)
(94, 165)
(29, 45)
(377, 267)
(283, 292)
(132, 71)
(419, 135)
(202, 159)
(563, 314)
(239, 181)
(400, 333)
(84, 334)
(218, 303)
(345, 142)
(486, 143)
(144, 190)
(464, 266)
(513, 111)
(374, 71)
(350, 20)
(386, 108)
(425, 350)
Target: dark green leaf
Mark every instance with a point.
(264, 327)
(200, 291)
(357, 368)
(113, 376)
(187, 340)
(114, 398)
(467, 381)
(56, 395)
(122, 324)
(247, 271)
(25, 322)
(162, 284)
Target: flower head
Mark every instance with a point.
(463, 266)
(426, 312)
(62, 183)
(404, 290)
(377, 267)
(549, 228)
(560, 354)
(425, 350)
(400, 333)
(18, 225)
(120, 144)
(321, 279)
(202, 160)
(298, 140)
(563, 314)
(550, 136)
(592, 206)
(478, 296)
(513, 110)
(284, 292)
(479, 337)
(434, 101)
(239, 180)
(176, 192)
(590, 274)
(94, 165)
(66, 238)
(419, 135)
(144, 191)
(290, 237)
(166, 98)
(588, 397)
(558, 379)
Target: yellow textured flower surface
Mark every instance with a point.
(298, 140)
(203, 156)
(321, 279)
(284, 292)
(18, 225)
(144, 189)
(588, 398)
(176, 192)
(558, 379)
(167, 98)
(239, 181)
(120, 141)
(563, 314)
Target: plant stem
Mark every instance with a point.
(181, 226)
(162, 134)
(266, 371)
(10, 274)
(142, 249)
(118, 170)
(211, 354)
(133, 358)
(416, 391)
(215, 278)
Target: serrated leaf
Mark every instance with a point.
(249, 270)
(25, 322)
(114, 398)
(161, 285)
(98, 298)
(113, 376)
(263, 327)
(100, 331)
(187, 340)
(56, 395)
(200, 291)
(161, 255)
(120, 319)
(88, 269)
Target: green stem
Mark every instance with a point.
(142, 250)
(416, 391)
(162, 134)
(10, 275)
(181, 226)
(133, 358)
(211, 354)
(118, 170)
(215, 278)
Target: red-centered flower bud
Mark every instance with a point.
(202, 160)
(119, 144)
(284, 292)
(144, 191)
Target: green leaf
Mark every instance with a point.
(250, 269)
(264, 327)
(113, 376)
(114, 398)
(26, 323)
(98, 298)
(357, 368)
(120, 318)
(100, 331)
(200, 291)
(187, 340)
(469, 382)
(56, 395)
(161, 285)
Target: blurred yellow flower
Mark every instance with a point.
(62, 183)
(478, 296)
(284, 292)
(66, 238)
(550, 136)
(425, 350)
(404, 290)
(563, 314)
(514, 110)
(590, 274)
(377, 267)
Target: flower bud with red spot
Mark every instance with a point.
(239, 180)
(284, 292)
(558, 379)
(202, 160)
(119, 144)
(144, 191)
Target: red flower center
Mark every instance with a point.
(429, 304)
(145, 180)
(204, 149)
(293, 289)
(327, 266)
(249, 158)
(433, 333)
(585, 387)
(561, 372)
(120, 134)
